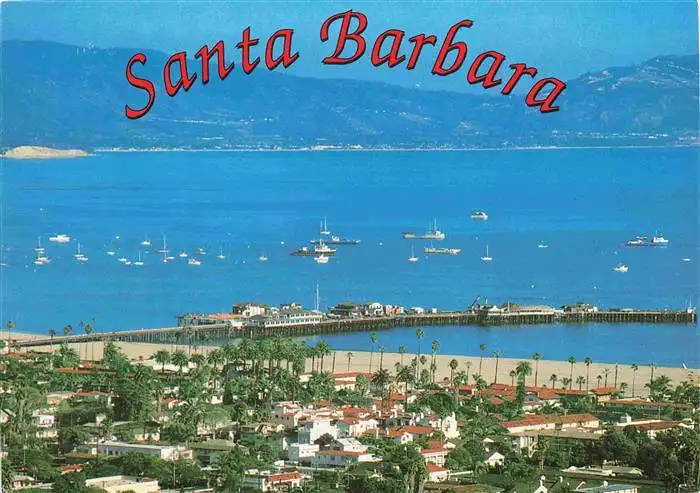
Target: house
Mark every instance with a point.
(373, 309)
(347, 444)
(401, 437)
(542, 422)
(208, 452)
(302, 452)
(316, 427)
(446, 425)
(22, 481)
(269, 481)
(437, 456)
(116, 449)
(604, 394)
(354, 427)
(495, 460)
(580, 307)
(283, 318)
(416, 431)
(195, 319)
(341, 458)
(348, 309)
(436, 474)
(246, 310)
(118, 484)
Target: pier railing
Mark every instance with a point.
(201, 334)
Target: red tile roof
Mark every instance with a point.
(640, 402)
(604, 390)
(542, 419)
(283, 477)
(434, 468)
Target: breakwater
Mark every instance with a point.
(200, 334)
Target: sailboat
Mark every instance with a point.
(139, 262)
(194, 261)
(146, 241)
(183, 255)
(413, 257)
(262, 257)
(621, 268)
(487, 257)
(39, 248)
(221, 255)
(324, 227)
(111, 251)
(165, 246)
(80, 257)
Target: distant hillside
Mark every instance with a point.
(64, 96)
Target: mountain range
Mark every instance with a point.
(66, 96)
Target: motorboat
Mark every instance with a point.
(479, 215)
(60, 238)
(413, 257)
(659, 240)
(321, 259)
(194, 261)
(621, 268)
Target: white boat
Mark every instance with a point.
(321, 259)
(139, 262)
(194, 261)
(60, 238)
(324, 227)
(38, 248)
(686, 259)
(413, 257)
(487, 257)
(146, 242)
(123, 260)
(169, 258)
(111, 253)
(659, 240)
(221, 255)
(542, 245)
(433, 233)
(183, 255)
(481, 215)
(201, 251)
(621, 268)
(165, 246)
(431, 250)
(41, 259)
(262, 258)
(80, 257)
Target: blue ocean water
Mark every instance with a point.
(583, 203)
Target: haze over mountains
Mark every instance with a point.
(64, 96)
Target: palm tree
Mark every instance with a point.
(605, 372)
(10, 326)
(482, 347)
(216, 357)
(162, 357)
(52, 334)
(179, 358)
(615, 385)
(653, 367)
(453, 366)
(405, 375)
(67, 330)
(381, 379)
(497, 355)
(402, 351)
(349, 356)
(565, 381)
(635, 368)
(588, 361)
(623, 387)
(537, 357)
(433, 350)
(512, 377)
(89, 329)
(469, 366)
(523, 369)
(599, 378)
(419, 335)
(381, 356)
(572, 362)
(373, 340)
(580, 381)
(553, 378)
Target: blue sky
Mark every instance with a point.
(561, 39)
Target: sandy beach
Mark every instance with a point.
(360, 361)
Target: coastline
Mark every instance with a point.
(360, 362)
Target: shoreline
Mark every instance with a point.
(360, 362)
(395, 149)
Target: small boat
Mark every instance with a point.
(110, 252)
(321, 259)
(413, 257)
(221, 255)
(201, 251)
(169, 258)
(41, 259)
(324, 227)
(123, 260)
(165, 247)
(441, 251)
(337, 240)
(194, 261)
(487, 257)
(481, 215)
(60, 238)
(433, 233)
(139, 262)
(146, 242)
(319, 249)
(621, 268)
(262, 258)
(38, 248)
(183, 255)
(542, 245)
(686, 259)
(80, 257)
(638, 241)
(659, 240)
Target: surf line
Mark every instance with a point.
(386, 50)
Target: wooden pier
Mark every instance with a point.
(204, 334)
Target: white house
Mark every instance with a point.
(114, 448)
(119, 484)
(348, 445)
(341, 458)
(302, 452)
(267, 481)
(314, 428)
(437, 474)
(495, 460)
